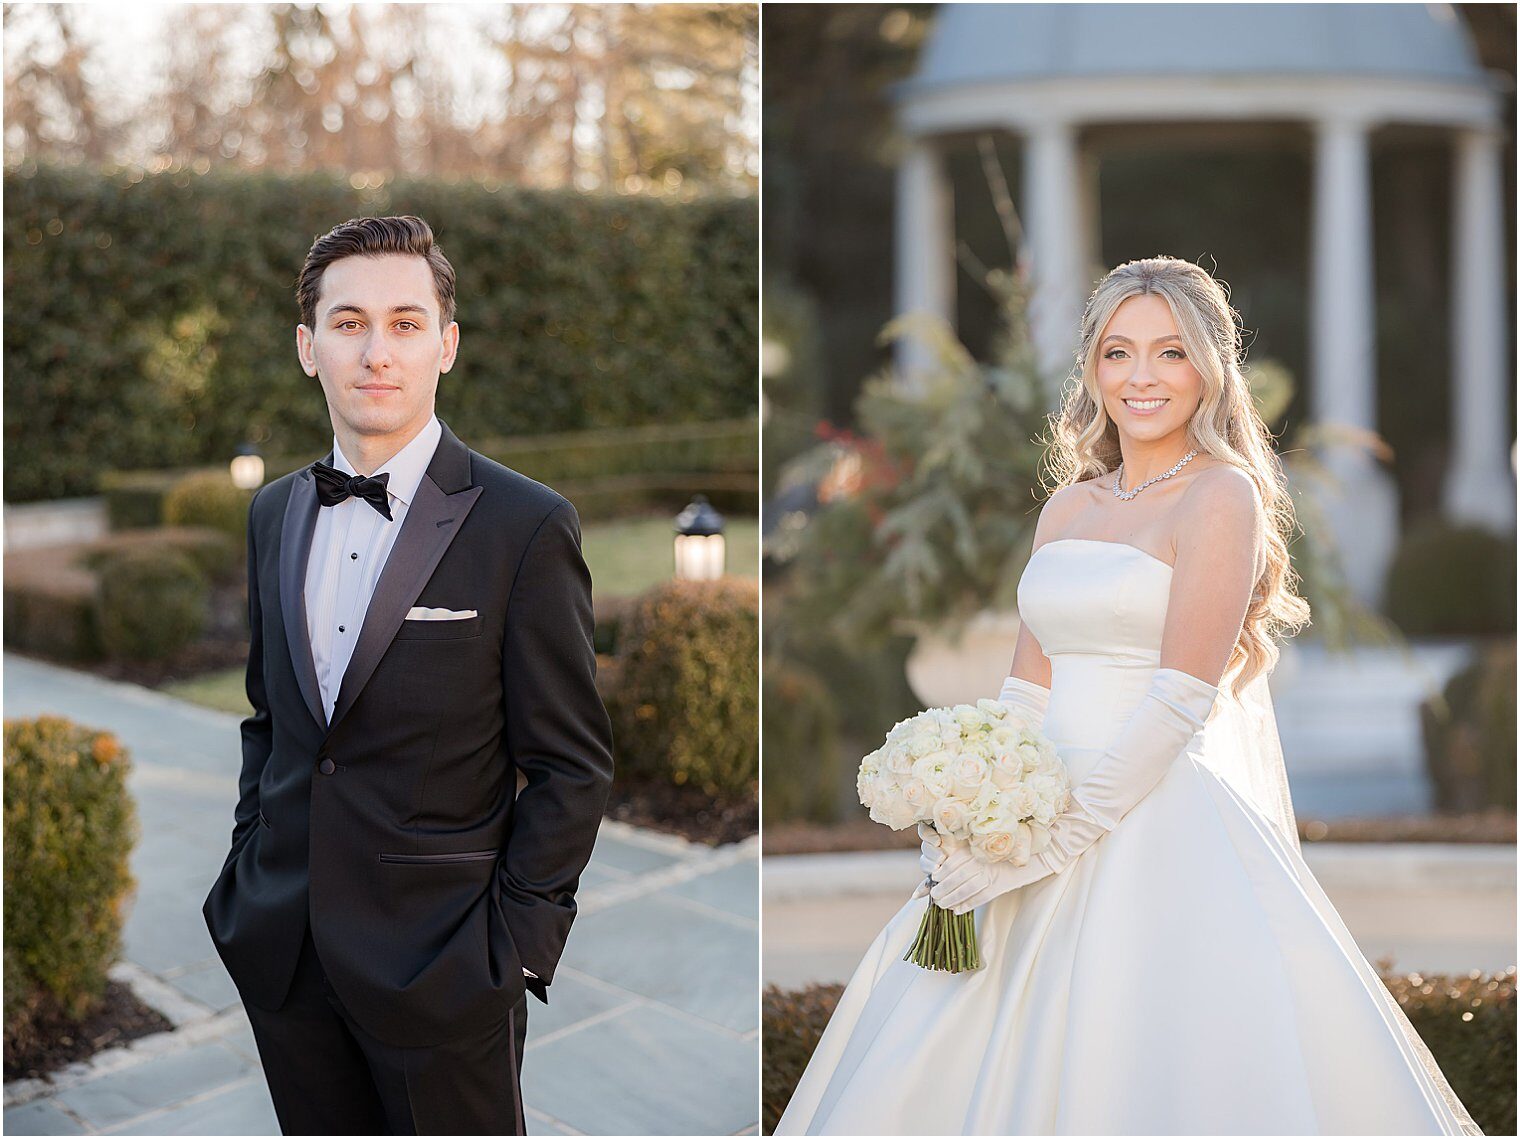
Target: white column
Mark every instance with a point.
(1359, 502)
(1481, 486)
(1054, 224)
(925, 245)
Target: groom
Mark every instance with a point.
(428, 759)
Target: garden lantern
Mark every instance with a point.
(699, 541)
(247, 468)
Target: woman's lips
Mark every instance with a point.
(1134, 411)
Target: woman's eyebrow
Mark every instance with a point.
(1126, 340)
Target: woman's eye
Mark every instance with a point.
(1179, 355)
(1109, 355)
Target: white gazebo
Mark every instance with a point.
(1046, 71)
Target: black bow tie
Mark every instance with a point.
(333, 486)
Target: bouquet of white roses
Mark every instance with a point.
(979, 774)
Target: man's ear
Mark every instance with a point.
(450, 346)
(304, 350)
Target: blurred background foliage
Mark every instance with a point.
(149, 318)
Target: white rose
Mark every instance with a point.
(988, 801)
(914, 791)
(951, 817)
(903, 814)
(865, 789)
(996, 710)
(899, 762)
(1007, 768)
(1003, 737)
(968, 774)
(968, 716)
(934, 771)
(1021, 801)
(924, 740)
(893, 811)
(992, 846)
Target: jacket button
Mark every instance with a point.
(327, 767)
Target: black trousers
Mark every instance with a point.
(328, 1077)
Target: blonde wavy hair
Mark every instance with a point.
(1084, 442)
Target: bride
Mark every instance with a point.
(1168, 964)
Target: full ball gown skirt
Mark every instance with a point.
(1186, 975)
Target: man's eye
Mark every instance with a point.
(409, 324)
(345, 324)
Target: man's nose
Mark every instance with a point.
(376, 353)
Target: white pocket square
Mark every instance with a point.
(437, 613)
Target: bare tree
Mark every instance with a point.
(610, 96)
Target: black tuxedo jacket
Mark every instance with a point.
(428, 886)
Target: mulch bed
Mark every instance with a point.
(56, 1041)
(687, 812)
(1494, 825)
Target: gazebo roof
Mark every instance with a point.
(1003, 43)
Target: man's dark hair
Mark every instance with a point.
(359, 237)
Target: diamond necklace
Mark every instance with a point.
(1130, 494)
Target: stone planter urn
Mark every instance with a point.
(945, 670)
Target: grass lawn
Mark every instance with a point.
(626, 556)
(222, 691)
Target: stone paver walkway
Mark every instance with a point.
(653, 1026)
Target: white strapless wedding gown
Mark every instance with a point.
(1186, 975)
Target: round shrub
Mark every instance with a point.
(1470, 734)
(686, 705)
(152, 601)
(69, 829)
(1452, 581)
(209, 499)
(801, 774)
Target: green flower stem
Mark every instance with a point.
(945, 941)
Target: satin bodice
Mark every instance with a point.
(1097, 609)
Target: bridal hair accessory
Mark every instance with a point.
(1127, 495)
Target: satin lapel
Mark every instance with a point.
(295, 549)
(431, 523)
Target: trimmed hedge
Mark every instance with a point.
(150, 318)
(1468, 1023)
(1470, 734)
(608, 472)
(53, 596)
(685, 690)
(802, 771)
(210, 499)
(1448, 580)
(153, 601)
(69, 829)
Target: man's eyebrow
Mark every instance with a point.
(344, 307)
(1126, 340)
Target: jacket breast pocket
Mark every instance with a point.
(451, 629)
